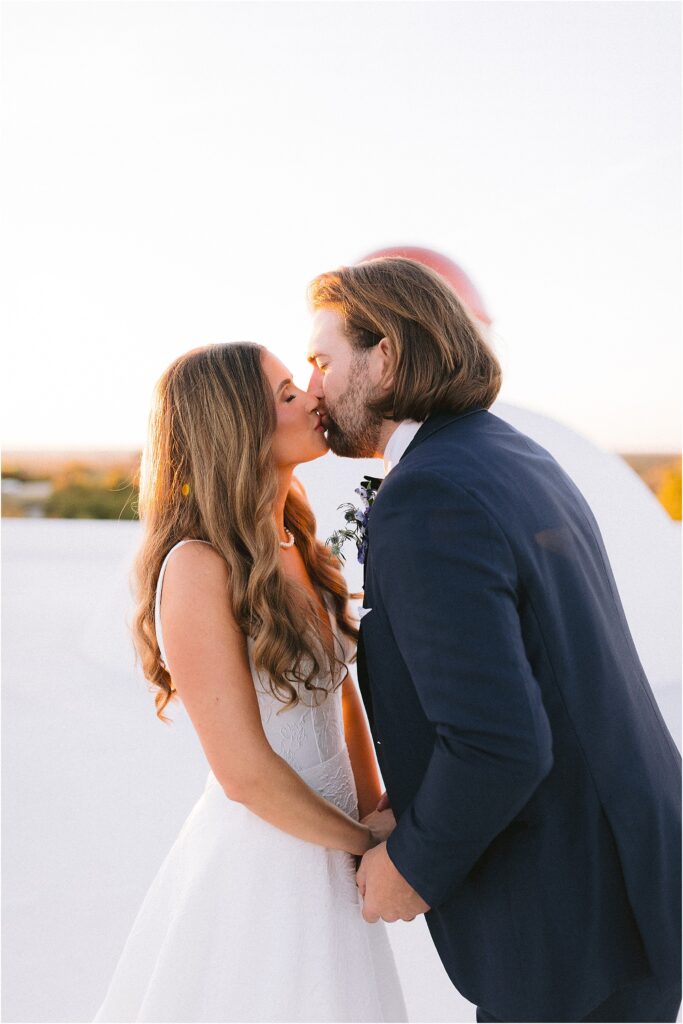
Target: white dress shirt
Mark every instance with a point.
(398, 442)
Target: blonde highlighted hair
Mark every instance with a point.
(441, 361)
(207, 473)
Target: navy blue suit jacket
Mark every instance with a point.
(535, 784)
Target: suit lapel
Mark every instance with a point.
(429, 427)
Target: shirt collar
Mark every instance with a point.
(398, 442)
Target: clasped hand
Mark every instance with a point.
(386, 894)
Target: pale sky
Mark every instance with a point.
(175, 174)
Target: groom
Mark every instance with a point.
(535, 784)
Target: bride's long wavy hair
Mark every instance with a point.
(207, 473)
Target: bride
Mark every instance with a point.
(254, 915)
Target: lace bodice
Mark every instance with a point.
(309, 736)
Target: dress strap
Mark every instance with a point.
(160, 583)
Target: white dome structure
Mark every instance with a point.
(642, 541)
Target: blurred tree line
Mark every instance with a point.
(669, 491)
(662, 474)
(82, 492)
(77, 490)
(88, 490)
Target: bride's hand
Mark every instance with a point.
(381, 825)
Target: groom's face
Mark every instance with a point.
(344, 379)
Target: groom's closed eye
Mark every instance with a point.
(319, 360)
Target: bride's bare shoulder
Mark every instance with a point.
(195, 566)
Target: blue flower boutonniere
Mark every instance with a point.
(356, 520)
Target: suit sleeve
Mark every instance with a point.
(447, 580)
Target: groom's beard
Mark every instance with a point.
(353, 430)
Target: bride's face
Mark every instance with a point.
(299, 435)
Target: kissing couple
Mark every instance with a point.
(532, 804)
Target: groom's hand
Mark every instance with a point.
(385, 892)
(383, 804)
(381, 824)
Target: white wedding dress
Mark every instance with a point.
(244, 922)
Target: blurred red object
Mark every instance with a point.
(447, 268)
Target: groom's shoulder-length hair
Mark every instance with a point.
(442, 363)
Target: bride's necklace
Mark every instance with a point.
(287, 543)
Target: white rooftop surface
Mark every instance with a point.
(96, 789)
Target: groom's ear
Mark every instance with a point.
(386, 357)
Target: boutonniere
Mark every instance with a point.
(356, 520)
